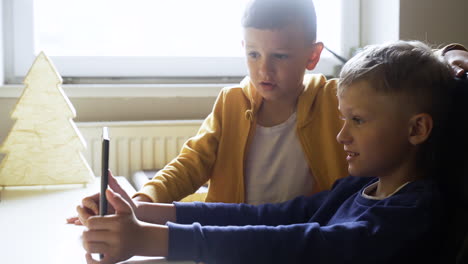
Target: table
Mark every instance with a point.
(33, 225)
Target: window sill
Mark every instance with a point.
(126, 90)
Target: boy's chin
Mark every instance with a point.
(270, 97)
(358, 174)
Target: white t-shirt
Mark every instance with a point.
(367, 192)
(276, 168)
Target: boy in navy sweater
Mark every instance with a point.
(392, 99)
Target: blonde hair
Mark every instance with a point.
(276, 14)
(407, 68)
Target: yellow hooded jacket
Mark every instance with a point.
(218, 151)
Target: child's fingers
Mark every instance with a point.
(112, 179)
(104, 237)
(72, 220)
(95, 247)
(99, 222)
(83, 214)
(92, 203)
(115, 186)
(93, 243)
(117, 201)
(458, 71)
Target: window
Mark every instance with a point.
(150, 38)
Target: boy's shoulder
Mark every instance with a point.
(318, 79)
(242, 91)
(312, 81)
(242, 86)
(314, 84)
(319, 84)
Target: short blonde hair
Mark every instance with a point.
(407, 68)
(276, 14)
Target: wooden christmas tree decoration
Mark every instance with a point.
(44, 145)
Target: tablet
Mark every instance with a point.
(104, 171)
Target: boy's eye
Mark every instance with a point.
(358, 120)
(281, 56)
(253, 54)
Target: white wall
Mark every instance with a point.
(434, 21)
(437, 22)
(379, 21)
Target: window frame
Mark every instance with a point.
(18, 37)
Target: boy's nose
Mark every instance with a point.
(343, 136)
(266, 67)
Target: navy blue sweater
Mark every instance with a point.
(336, 226)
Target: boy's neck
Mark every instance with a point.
(389, 184)
(272, 113)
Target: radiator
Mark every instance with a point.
(136, 145)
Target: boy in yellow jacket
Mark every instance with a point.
(271, 138)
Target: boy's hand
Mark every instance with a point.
(86, 212)
(458, 60)
(90, 205)
(121, 236)
(114, 236)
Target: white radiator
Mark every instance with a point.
(136, 145)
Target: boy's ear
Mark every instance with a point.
(314, 56)
(420, 128)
